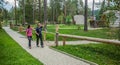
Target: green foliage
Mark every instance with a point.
(73, 30)
(116, 5)
(106, 19)
(0, 25)
(118, 33)
(65, 6)
(1, 3)
(111, 17)
(53, 11)
(61, 18)
(68, 19)
(103, 21)
(102, 54)
(1, 18)
(101, 10)
(28, 11)
(13, 54)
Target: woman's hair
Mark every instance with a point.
(28, 26)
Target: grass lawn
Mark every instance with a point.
(12, 54)
(101, 33)
(102, 54)
(49, 37)
(72, 30)
(63, 26)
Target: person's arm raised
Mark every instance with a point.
(32, 28)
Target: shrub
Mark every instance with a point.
(118, 34)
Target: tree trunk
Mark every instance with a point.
(93, 8)
(85, 22)
(15, 14)
(53, 19)
(64, 11)
(33, 11)
(39, 10)
(73, 20)
(0, 25)
(23, 12)
(108, 16)
(45, 15)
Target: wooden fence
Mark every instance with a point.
(107, 41)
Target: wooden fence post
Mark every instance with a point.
(44, 35)
(56, 40)
(20, 28)
(57, 28)
(11, 25)
(64, 41)
(56, 35)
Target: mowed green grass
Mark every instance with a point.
(63, 26)
(102, 54)
(13, 54)
(100, 33)
(73, 30)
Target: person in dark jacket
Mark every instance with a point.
(39, 35)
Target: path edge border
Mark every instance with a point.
(89, 62)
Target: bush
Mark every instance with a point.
(0, 25)
(118, 34)
(114, 33)
(68, 19)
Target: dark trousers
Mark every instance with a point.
(37, 41)
(29, 40)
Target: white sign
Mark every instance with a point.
(79, 19)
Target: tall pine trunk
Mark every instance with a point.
(85, 16)
(39, 10)
(45, 15)
(33, 11)
(65, 13)
(15, 13)
(93, 8)
(23, 2)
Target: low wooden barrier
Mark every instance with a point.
(64, 36)
(20, 28)
(107, 41)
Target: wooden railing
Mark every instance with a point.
(64, 36)
(107, 41)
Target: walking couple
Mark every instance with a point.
(38, 32)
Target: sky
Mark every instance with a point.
(11, 3)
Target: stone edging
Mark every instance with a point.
(91, 63)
